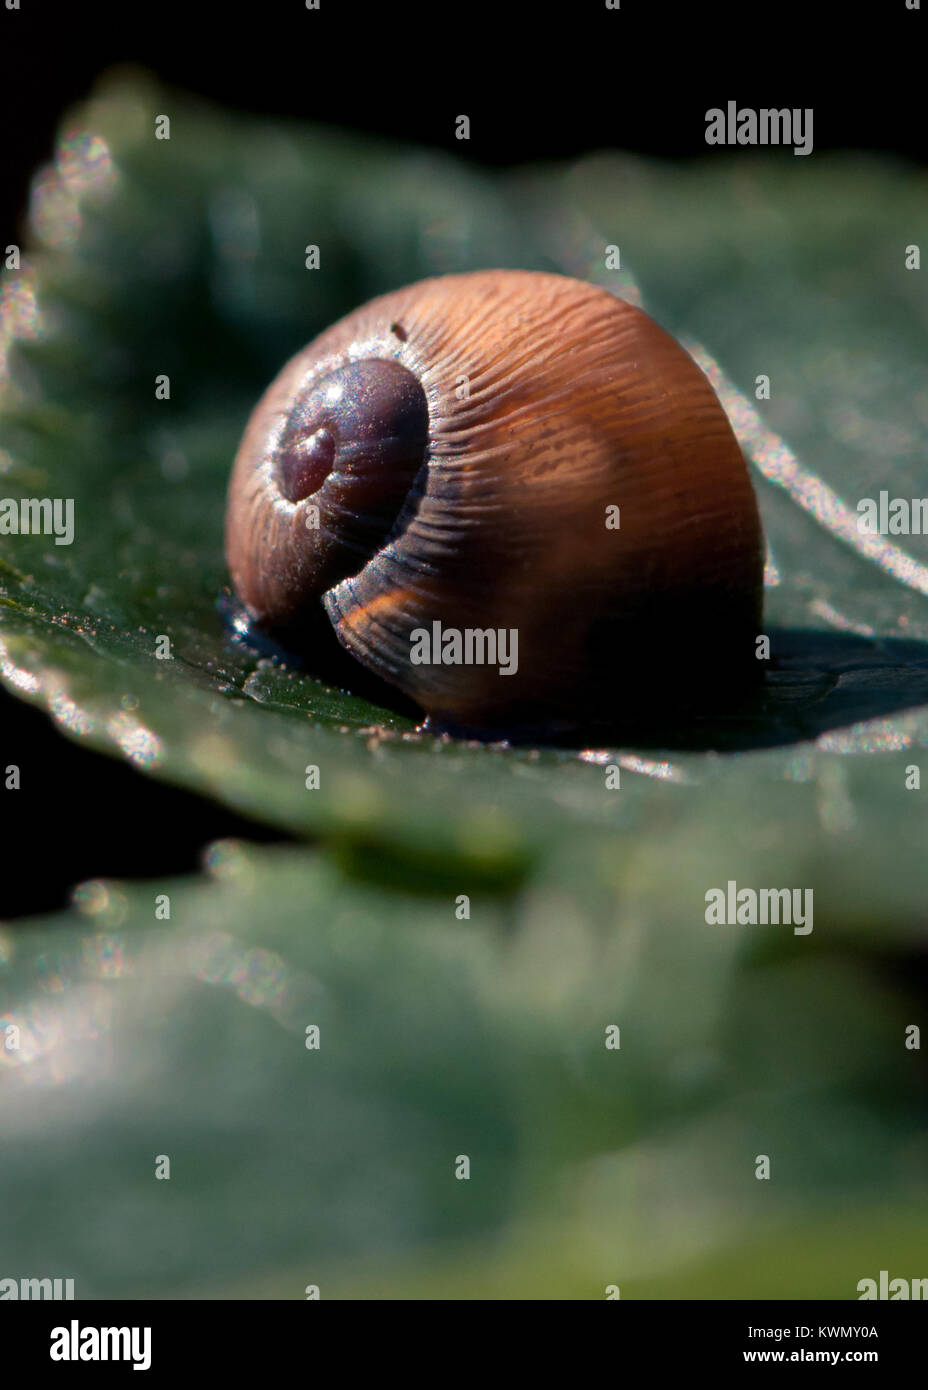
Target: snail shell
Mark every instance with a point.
(449, 453)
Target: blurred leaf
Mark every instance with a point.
(438, 1038)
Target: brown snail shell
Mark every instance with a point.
(447, 453)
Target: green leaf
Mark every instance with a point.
(185, 256)
(139, 1035)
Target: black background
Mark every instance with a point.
(538, 82)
